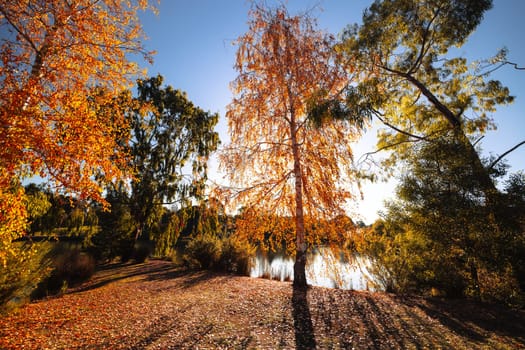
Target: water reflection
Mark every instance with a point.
(325, 268)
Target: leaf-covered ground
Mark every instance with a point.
(158, 306)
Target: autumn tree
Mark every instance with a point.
(53, 54)
(279, 162)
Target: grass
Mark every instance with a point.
(156, 305)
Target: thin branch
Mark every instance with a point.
(477, 141)
(514, 64)
(420, 138)
(493, 164)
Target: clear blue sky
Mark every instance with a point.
(193, 40)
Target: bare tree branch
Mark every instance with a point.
(493, 164)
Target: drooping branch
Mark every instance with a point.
(406, 133)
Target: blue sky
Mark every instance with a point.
(193, 40)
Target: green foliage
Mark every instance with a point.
(229, 254)
(451, 229)
(169, 135)
(115, 238)
(441, 235)
(167, 234)
(203, 251)
(236, 255)
(22, 273)
(37, 203)
(408, 81)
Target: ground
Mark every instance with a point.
(156, 305)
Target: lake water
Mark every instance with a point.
(324, 268)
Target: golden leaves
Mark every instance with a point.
(283, 62)
(55, 59)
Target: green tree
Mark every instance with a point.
(435, 108)
(37, 203)
(171, 140)
(167, 136)
(409, 82)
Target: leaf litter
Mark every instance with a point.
(157, 305)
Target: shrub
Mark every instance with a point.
(75, 266)
(70, 267)
(22, 274)
(141, 252)
(203, 252)
(230, 254)
(236, 256)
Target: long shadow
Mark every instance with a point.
(464, 316)
(122, 272)
(302, 320)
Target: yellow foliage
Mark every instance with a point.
(55, 58)
(285, 168)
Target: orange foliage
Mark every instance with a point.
(55, 58)
(279, 163)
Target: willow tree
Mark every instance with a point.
(171, 142)
(52, 55)
(280, 163)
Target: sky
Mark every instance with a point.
(195, 53)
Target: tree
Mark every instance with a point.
(435, 108)
(409, 82)
(53, 53)
(439, 233)
(37, 204)
(279, 162)
(171, 140)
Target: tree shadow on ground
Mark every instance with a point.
(474, 319)
(114, 272)
(153, 270)
(302, 320)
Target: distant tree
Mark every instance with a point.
(117, 229)
(171, 140)
(37, 204)
(280, 162)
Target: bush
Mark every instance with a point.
(236, 256)
(22, 274)
(75, 266)
(230, 254)
(203, 252)
(71, 267)
(141, 252)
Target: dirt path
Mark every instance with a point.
(157, 306)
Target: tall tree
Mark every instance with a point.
(53, 53)
(410, 83)
(279, 162)
(435, 108)
(170, 144)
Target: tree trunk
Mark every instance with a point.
(299, 268)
